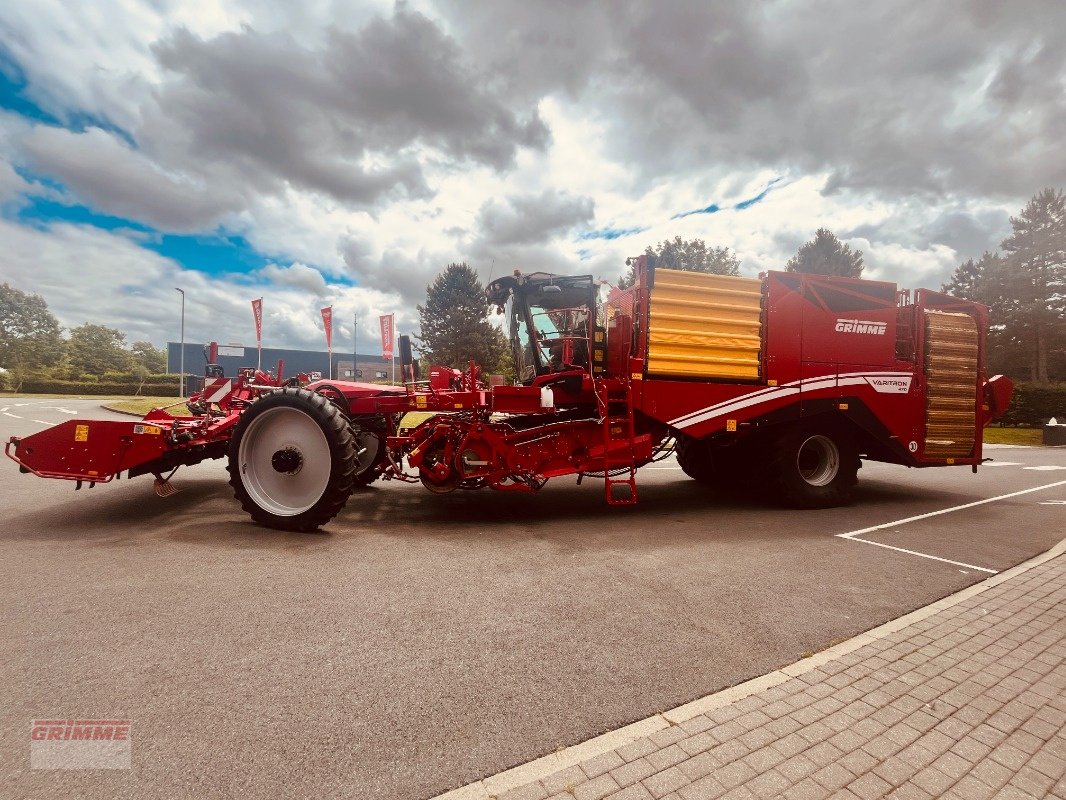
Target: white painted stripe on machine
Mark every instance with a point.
(786, 389)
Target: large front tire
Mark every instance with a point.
(292, 460)
(813, 468)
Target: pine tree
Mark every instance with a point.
(454, 322)
(967, 276)
(826, 255)
(1029, 295)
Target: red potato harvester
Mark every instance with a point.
(789, 377)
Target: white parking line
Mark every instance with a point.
(1049, 468)
(852, 535)
(9, 414)
(60, 408)
(924, 555)
(1001, 464)
(44, 422)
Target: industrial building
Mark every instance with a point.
(233, 356)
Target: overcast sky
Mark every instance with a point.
(334, 152)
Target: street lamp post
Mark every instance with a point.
(182, 357)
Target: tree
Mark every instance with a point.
(692, 255)
(970, 278)
(29, 333)
(826, 255)
(454, 322)
(149, 356)
(96, 349)
(1029, 291)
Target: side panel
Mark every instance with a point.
(705, 326)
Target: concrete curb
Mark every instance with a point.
(495, 785)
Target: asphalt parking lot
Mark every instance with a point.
(424, 641)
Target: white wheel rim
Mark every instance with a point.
(285, 461)
(818, 460)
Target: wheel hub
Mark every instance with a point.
(287, 460)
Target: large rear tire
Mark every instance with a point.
(292, 460)
(696, 459)
(813, 467)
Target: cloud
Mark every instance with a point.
(299, 276)
(532, 218)
(104, 171)
(376, 143)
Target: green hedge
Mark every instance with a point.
(1034, 403)
(162, 388)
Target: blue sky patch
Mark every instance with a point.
(13, 98)
(759, 197)
(610, 233)
(713, 208)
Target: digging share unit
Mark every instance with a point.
(781, 384)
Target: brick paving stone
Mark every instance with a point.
(563, 780)
(706, 788)
(667, 736)
(768, 784)
(601, 764)
(933, 781)
(869, 787)
(833, 777)
(637, 749)
(909, 791)
(734, 774)
(667, 757)
(533, 791)
(698, 766)
(858, 763)
(758, 738)
(637, 792)
(895, 770)
(698, 743)
(973, 789)
(663, 783)
(596, 789)
(633, 772)
(797, 768)
(697, 724)
(993, 774)
(807, 789)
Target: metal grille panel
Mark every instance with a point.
(951, 384)
(706, 326)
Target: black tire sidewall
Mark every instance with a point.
(342, 458)
(794, 489)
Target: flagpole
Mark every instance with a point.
(355, 347)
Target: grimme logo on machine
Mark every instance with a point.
(861, 326)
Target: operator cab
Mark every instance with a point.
(549, 319)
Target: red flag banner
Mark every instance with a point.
(257, 312)
(327, 323)
(388, 325)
